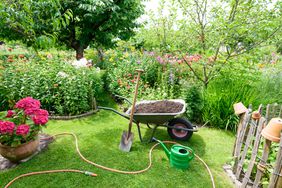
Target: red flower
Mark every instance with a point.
(10, 113)
(27, 103)
(22, 130)
(6, 127)
(21, 56)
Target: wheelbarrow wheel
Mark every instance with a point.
(180, 134)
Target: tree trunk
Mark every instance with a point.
(79, 52)
(101, 54)
(79, 48)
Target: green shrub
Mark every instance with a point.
(194, 100)
(61, 88)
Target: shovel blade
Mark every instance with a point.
(126, 142)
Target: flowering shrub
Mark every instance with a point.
(23, 123)
(162, 77)
(61, 88)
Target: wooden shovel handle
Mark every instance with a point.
(134, 101)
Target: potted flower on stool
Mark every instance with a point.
(19, 130)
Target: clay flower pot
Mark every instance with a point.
(15, 154)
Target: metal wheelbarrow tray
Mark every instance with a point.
(178, 128)
(156, 118)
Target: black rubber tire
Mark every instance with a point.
(185, 124)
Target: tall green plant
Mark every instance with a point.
(232, 86)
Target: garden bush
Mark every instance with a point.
(193, 97)
(61, 88)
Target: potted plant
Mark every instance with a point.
(19, 129)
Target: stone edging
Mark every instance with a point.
(73, 117)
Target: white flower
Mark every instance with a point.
(62, 74)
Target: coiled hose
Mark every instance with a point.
(101, 166)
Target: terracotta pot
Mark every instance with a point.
(15, 154)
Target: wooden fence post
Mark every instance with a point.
(276, 178)
(262, 121)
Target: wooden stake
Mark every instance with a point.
(246, 147)
(242, 118)
(240, 140)
(261, 166)
(275, 178)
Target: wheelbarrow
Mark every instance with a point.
(177, 127)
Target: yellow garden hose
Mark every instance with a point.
(100, 166)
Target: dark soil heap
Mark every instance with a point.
(164, 106)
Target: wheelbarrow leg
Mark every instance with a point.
(139, 132)
(153, 133)
(148, 126)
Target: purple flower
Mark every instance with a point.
(160, 60)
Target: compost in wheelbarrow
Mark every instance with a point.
(158, 111)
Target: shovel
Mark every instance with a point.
(127, 136)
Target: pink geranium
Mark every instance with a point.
(14, 134)
(22, 130)
(40, 120)
(6, 127)
(10, 113)
(27, 103)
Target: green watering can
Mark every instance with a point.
(179, 156)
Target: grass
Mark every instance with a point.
(99, 136)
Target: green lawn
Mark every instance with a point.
(99, 137)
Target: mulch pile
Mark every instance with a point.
(164, 106)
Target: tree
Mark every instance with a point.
(79, 23)
(218, 30)
(32, 22)
(228, 29)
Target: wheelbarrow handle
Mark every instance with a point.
(126, 99)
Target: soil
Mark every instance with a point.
(164, 106)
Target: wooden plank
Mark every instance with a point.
(246, 148)
(273, 111)
(239, 141)
(275, 179)
(262, 121)
(262, 163)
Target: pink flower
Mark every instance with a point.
(40, 120)
(41, 112)
(22, 130)
(6, 127)
(10, 113)
(27, 103)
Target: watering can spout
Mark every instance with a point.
(167, 152)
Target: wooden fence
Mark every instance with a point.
(250, 160)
